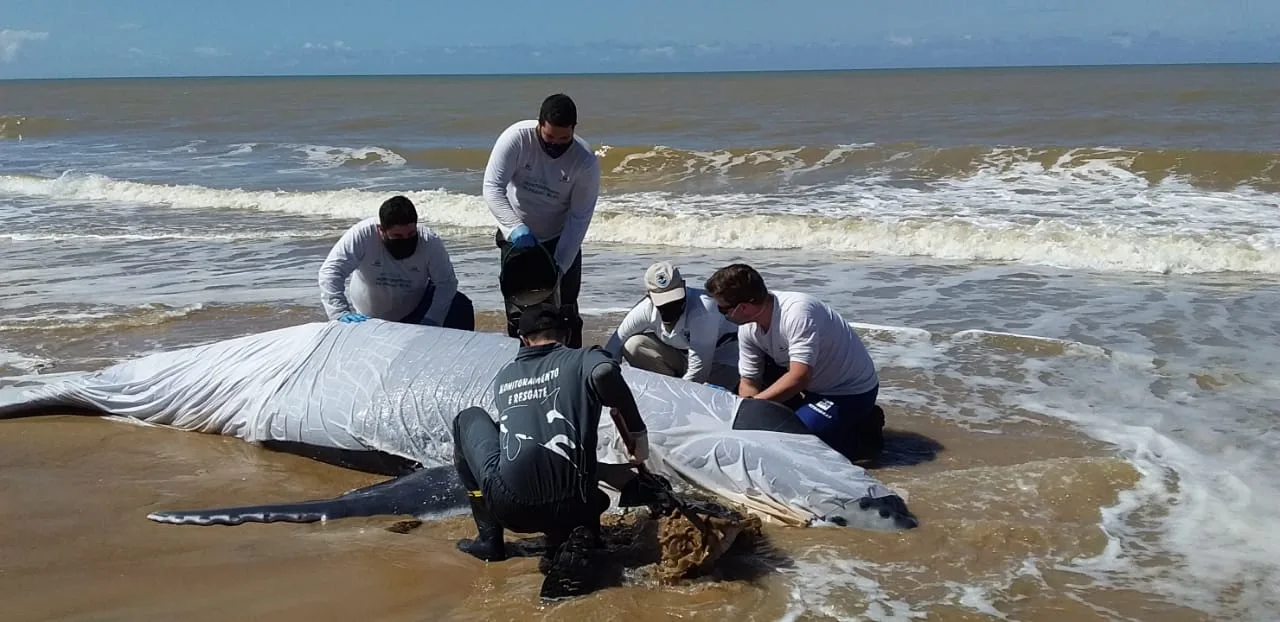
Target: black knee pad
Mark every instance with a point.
(462, 419)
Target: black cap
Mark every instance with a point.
(542, 317)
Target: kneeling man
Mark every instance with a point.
(677, 331)
(400, 271)
(534, 470)
(797, 350)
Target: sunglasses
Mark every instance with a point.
(726, 310)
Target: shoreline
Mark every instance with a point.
(689, 74)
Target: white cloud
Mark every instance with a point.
(901, 41)
(12, 40)
(338, 46)
(666, 50)
(1122, 39)
(210, 52)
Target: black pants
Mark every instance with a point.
(461, 314)
(570, 286)
(855, 427)
(475, 455)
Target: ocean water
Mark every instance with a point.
(1039, 259)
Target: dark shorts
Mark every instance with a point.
(850, 424)
(476, 452)
(461, 314)
(825, 414)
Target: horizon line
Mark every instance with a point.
(587, 74)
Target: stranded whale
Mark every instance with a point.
(380, 397)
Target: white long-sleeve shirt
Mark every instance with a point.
(381, 286)
(698, 331)
(553, 197)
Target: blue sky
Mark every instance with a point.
(71, 38)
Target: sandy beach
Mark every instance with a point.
(77, 545)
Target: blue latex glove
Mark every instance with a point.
(521, 237)
(716, 386)
(351, 318)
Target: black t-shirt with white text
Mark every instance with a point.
(547, 422)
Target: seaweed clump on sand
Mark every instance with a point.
(681, 542)
(670, 537)
(694, 537)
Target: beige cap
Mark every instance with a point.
(664, 283)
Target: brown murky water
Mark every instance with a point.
(74, 493)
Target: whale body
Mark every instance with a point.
(381, 396)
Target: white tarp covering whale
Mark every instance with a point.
(395, 388)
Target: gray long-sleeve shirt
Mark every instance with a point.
(553, 197)
(382, 286)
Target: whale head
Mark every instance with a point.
(880, 509)
(785, 477)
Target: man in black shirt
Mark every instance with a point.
(534, 470)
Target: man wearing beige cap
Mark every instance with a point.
(677, 331)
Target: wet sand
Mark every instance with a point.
(74, 493)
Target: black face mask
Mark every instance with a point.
(671, 311)
(554, 150)
(401, 248)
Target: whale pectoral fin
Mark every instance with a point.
(769, 416)
(368, 461)
(424, 493)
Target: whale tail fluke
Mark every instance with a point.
(425, 492)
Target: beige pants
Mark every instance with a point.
(645, 351)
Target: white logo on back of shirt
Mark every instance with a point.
(512, 442)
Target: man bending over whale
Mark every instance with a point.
(400, 272)
(796, 350)
(534, 470)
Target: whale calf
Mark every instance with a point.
(380, 397)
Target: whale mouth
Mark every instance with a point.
(886, 513)
(891, 508)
